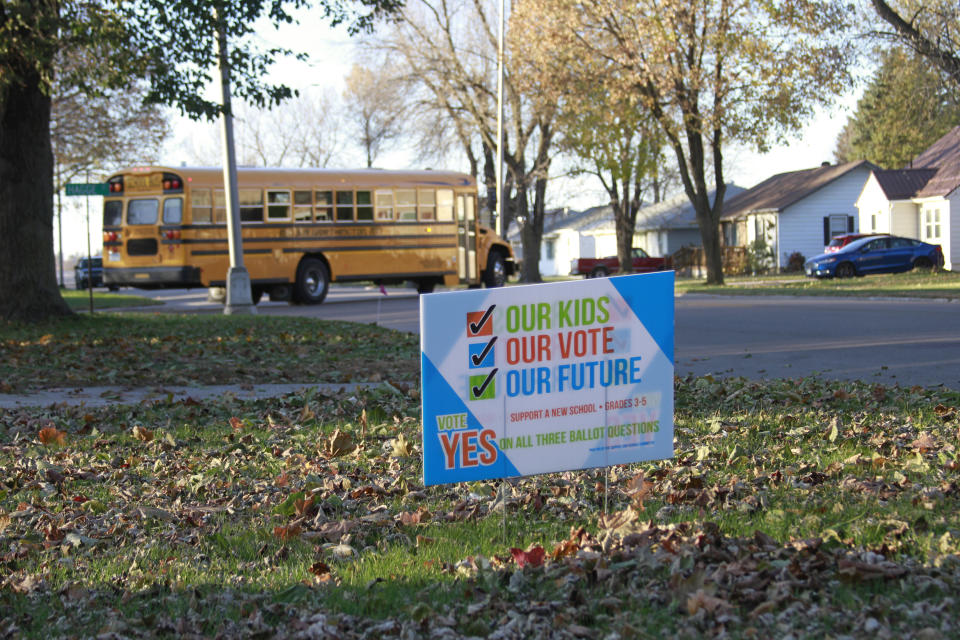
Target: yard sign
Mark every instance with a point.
(549, 377)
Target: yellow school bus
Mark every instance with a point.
(302, 229)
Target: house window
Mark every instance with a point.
(839, 225)
(873, 221)
(549, 248)
(932, 224)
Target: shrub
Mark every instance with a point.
(795, 262)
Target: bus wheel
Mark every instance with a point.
(313, 280)
(495, 275)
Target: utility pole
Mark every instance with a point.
(239, 298)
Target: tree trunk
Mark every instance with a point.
(712, 251)
(531, 237)
(28, 281)
(625, 226)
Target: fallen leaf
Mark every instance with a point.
(339, 444)
(533, 556)
(287, 532)
(143, 434)
(401, 447)
(51, 435)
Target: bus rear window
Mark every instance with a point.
(112, 213)
(173, 211)
(142, 211)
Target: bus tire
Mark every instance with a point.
(495, 275)
(313, 281)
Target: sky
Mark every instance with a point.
(331, 53)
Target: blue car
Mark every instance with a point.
(875, 254)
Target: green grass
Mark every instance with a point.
(913, 284)
(797, 506)
(80, 300)
(150, 350)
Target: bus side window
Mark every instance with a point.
(428, 204)
(364, 205)
(251, 205)
(142, 211)
(201, 208)
(278, 205)
(219, 207)
(444, 205)
(406, 204)
(302, 206)
(384, 204)
(324, 206)
(345, 206)
(173, 211)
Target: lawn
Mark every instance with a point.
(913, 284)
(80, 300)
(794, 507)
(145, 350)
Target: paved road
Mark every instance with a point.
(891, 341)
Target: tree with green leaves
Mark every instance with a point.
(931, 28)
(170, 45)
(906, 107)
(709, 72)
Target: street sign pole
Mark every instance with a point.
(89, 256)
(239, 296)
(87, 189)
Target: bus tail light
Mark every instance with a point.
(173, 234)
(111, 236)
(172, 183)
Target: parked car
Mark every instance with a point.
(839, 242)
(81, 272)
(84, 273)
(600, 267)
(875, 254)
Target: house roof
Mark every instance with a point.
(902, 184)
(784, 189)
(672, 213)
(944, 156)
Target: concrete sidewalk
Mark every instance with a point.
(103, 396)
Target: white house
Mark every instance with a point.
(798, 211)
(661, 229)
(921, 202)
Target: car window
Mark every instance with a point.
(875, 245)
(639, 253)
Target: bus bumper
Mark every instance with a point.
(153, 277)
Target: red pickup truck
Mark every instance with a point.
(600, 267)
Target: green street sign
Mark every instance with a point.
(87, 189)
